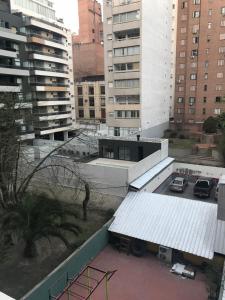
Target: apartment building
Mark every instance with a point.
(137, 43)
(200, 63)
(13, 76)
(90, 102)
(173, 57)
(49, 58)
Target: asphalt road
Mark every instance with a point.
(188, 193)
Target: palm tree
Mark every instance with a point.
(39, 217)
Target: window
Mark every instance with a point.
(220, 62)
(132, 99)
(127, 114)
(110, 68)
(205, 99)
(193, 88)
(221, 49)
(219, 87)
(219, 75)
(91, 101)
(194, 65)
(81, 113)
(80, 102)
(191, 111)
(210, 12)
(133, 50)
(223, 10)
(109, 37)
(196, 14)
(217, 111)
(102, 90)
(204, 111)
(116, 131)
(222, 36)
(128, 34)
(180, 110)
(180, 77)
(126, 66)
(126, 17)
(184, 4)
(109, 53)
(92, 113)
(194, 52)
(180, 100)
(206, 64)
(91, 90)
(206, 75)
(127, 83)
(180, 88)
(109, 21)
(107, 152)
(182, 54)
(182, 42)
(80, 90)
(207, 51)
(195, 28)
(124, 153)
(191, 100)
(195, 40)
(182, 66)
(222, 23)
(196, 2)
(205, 87)
(183, 30)
(218, 99)
(193, 76)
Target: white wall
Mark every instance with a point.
(158, 180)
(156, 60)
(198, 170)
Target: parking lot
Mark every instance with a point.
(188, 193)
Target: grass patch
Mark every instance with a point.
(181, 143)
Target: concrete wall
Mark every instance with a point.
(56, 281)
(155, 67)
(143, 166)
(198, 170)
(158, 180)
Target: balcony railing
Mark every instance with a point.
(47, 54)
(48, 69)
(41, 128)
(46, 38)
(52, 113)
(53, 99)
(8, 48)
(9, 84)
(13, 67)
(49, 84)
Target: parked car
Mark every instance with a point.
(203, 187)
(178, 184)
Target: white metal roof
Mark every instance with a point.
(149, 175)
(220, 238)
(5, 297)
(179, 223)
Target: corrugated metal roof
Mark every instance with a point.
(182, 224)
(220, 237)
(149, 175)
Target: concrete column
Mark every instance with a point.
(65, 133)
(51, 136)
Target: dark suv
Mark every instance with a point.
(203, 187)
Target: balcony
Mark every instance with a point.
(8, 87)
(9, 34)
(8, 52)
(49, 84)
(51, 129)
(48, 69)
(41, 36)
(7, 69)
(53, 101)
(46, 54)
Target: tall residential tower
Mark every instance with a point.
(137, 43)
(200, 63)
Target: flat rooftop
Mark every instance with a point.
(143, 279)
(112, 163)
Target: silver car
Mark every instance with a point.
(178, 184)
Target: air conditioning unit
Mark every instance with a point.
(165, 254)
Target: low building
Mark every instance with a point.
(90, 102)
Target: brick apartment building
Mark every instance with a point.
(200, 63)
(88, 45)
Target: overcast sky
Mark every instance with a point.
(67, 9)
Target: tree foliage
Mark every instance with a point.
(210, 125)
(38, 217)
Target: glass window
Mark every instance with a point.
(124, 153)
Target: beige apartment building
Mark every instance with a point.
(137, 45)
(200, 63)
(90, 103)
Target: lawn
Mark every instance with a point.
(181, 143)
(18, 275)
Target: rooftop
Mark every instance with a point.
(143, 278)
(178, 223)
(112, 163)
